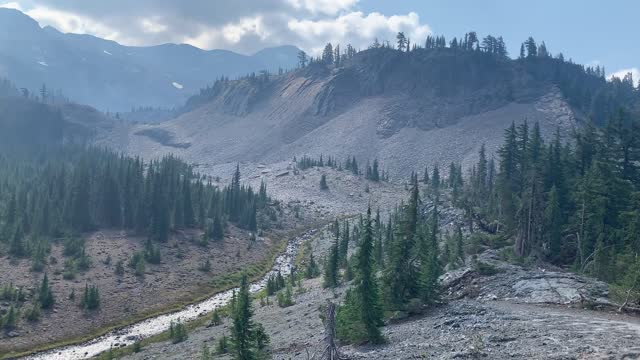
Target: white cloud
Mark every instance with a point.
(234, 33)
(242, 25)
(635, 72)
(358, 29)
(152, 26)
(328, 7)
(12, 5)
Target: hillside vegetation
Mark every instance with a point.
(440, 101)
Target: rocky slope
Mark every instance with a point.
(526, 313)
(431, 107)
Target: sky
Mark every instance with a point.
(588, 31)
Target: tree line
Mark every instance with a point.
(572, 202)
(71, 190)
(372, 171)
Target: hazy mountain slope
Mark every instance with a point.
(107, 75)
(408, 111)
(29, 125)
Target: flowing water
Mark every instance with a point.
(130, 334)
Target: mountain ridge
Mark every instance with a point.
(431, 106)
(110, 76)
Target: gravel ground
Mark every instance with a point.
(516, 313)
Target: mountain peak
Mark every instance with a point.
(122, 77)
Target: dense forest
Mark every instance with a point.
(572, 202)
(71, 190)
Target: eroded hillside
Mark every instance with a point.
(429, 107)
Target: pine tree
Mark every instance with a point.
(343, 243)
(459, 242)
(367, 287)
(400, 276)
(10, 319)
(435, 180)
(17, 247)
(189, 216)
(379, 247)
(323, 182)
(327, 54)
(311, 270)
(552, 217)
(430, 268)
(331, 266)
(91, 297)
(45, 296)
(243, 327)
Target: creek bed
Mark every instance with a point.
(128, 335)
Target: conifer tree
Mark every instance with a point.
(367, 287)
(243, 330)
(332, 263)
(323, 182)
(400, 276)
(45, 296)
(430, 268)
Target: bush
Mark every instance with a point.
(223, 345)
(83, 261)
(69, 270)
(91, 297)
(152, 253)
(486, 269)
(33, 313)
(140, 267)
(119, 270)
(215, 318)
(177, 332)
(205, 266)
(261, 337)
(206, 354)
(10, 318)
(8, 292)
(135, 259)
(284, 297)
(137, 346)
(73, 247)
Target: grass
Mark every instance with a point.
(217, 284)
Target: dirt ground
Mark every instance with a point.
(176, 279)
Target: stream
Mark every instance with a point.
(130, 334)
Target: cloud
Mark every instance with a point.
(328, 7)
(241, 25)
(635, 73)
(358, 28)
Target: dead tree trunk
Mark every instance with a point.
(331, 350)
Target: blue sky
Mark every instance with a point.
(588, 31)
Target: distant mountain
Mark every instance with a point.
(110, 76)
(408, 110)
